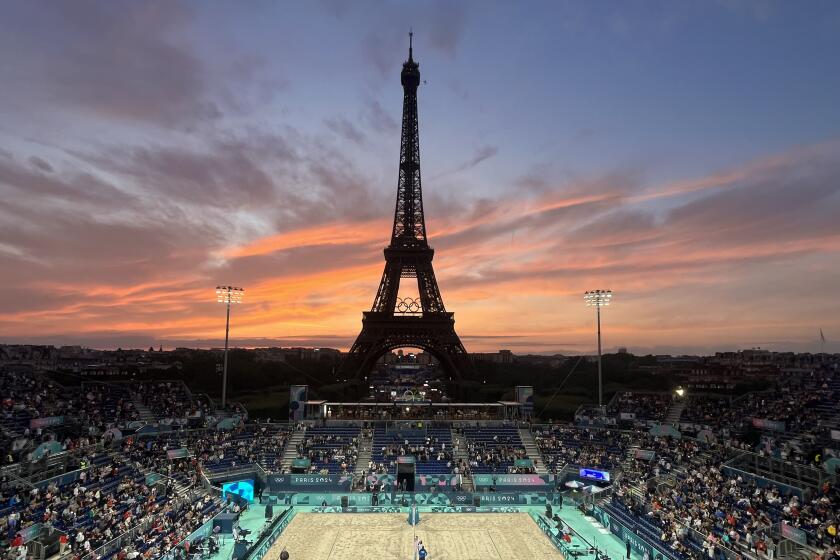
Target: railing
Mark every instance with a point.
(118, 543)
(205, 530)
(54, 464)
(234, 471)
(274, 531)
(700, 537)
(781, 470)
(208, 486)
(788, 545)
(662, 480)
(567, 550)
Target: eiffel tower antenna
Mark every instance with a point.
(395, 322)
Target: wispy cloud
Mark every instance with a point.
(145, 158)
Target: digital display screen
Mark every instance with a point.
(592, 474)
(244, 488)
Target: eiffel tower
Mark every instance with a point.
(421, 322)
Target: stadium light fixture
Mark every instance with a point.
(227, 295)
(598, 299)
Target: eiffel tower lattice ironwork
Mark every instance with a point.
(395, 322)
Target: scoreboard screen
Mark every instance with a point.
(592, 474)
(244, 488)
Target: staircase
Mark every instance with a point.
(290, 453)
(459, 448)
(180, 487)
(365, 446)
(674, 413)
(532, 450)
(144, 413)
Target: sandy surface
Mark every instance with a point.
(388, 536)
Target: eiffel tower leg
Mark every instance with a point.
(428, 288)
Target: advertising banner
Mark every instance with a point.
(513, 480)
(504, 498)
(641, 546)
(835, 435)
(47, 448)
(182, 453)
(645, 454)
(30, 533)
(794, 534)
(404, 499)
(309, 482)
(765, 424)
(297, 402)
(153, 477)
(442, 481)
(301, 463)
(46, 422)
(377, 480)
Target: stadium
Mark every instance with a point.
(393, 450)
(160, 472)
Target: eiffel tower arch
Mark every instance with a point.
(420, 322)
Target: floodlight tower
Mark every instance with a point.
(227, 295)
(598, 299)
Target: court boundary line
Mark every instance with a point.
(335, 540)
(314, 522)
(495, 547)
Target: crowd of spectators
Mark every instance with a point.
(89, 413)
(563, 444)
(642, 406)
(111, 494)
(109, 497)
(330, 450)
(31, 396)
(737, 512)
(493, 449)
(801, 403)
(791, 407)
(431, 446)
(256, 443)
(103, 406)
(704, 409)
(170, 399)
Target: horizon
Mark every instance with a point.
(253, 345)
(686, 157)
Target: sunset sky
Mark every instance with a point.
(684, 154)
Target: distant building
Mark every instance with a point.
(500, 357)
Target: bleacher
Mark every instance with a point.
(386, 447)
(647, 530)
(561, 445)
(15, 422)
(704, 409)
(106, 403)
(167, 399)
(502, 443)
(329, 447)
(256, 443)
(641, 406)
